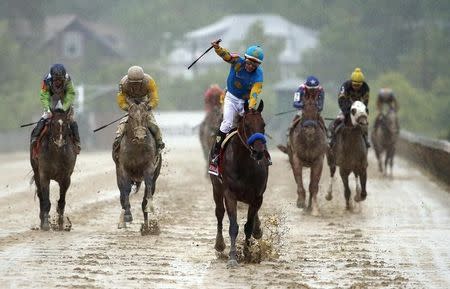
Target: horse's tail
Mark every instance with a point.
(282, 148)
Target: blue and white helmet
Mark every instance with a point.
(312, 82)
(255, 53)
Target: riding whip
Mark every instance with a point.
(207, 50)
(28, 124)
(102, 127)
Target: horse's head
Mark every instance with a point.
(358, 114)
(137, 122)
(251, 129)
(59, 128)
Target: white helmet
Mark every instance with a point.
(135, 74)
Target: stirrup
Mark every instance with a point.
(77, 148)
(213, 170)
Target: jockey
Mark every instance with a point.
(213, 97)
(138, 86)
(385, 97)
(57, 85)
(311, 87)
(244, 84)
(351, 90)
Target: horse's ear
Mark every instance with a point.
(261, 106)
(246, 106)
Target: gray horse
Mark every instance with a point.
(350, 154)
(137, 160)
(384, 138)
(53, 157)
(207, 131)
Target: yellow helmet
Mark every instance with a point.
(357, 75)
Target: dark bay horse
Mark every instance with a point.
(384, 138)
(137, 160)
(245, 170)
(306, 148)
(53, 158)
(207, 130)
(350, 154)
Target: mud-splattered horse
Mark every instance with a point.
(244, 172)
(137, 160)
(350, 154)
(53, 157)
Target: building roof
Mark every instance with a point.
(107, 36)
(234, 28)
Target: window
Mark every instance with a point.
(72, 44)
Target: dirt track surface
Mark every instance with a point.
(398, 238)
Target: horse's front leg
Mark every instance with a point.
(220, 212)
(44, 202)
(316, 172)
(332, 166)
(344, 176)
(363, 181)
(231, 207)
(63, 187)
(297, 169)
(124, 184)
(149, 227)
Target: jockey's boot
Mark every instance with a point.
(366, 139)
(160, 144)
(76, 136)
(215, 152)
(37, 130)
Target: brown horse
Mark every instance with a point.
(245, 170)
(137, 160)
(306, 148)
(53, 158)
(208, 129)
(350, 154)
(384, 138)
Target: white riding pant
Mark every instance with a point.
(231, 106)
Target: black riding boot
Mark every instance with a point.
(366, 139)
(37, 130)
(215, 151)
(76, 136)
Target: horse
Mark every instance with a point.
(350, 154)
(53, 157)
(384, 138)
(208, 129)
(306, 148)
(137, 160)
(244, 172)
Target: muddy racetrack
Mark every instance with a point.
(398, 238)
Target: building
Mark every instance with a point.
(233, 29)
(72, 40)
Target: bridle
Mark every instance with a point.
(244, 136)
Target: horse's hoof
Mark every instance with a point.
(151, 228)
(357, 198)
(232, 264)
(220, 244)
(315, 212)
(363, 196)
(329, 197)
(257, 233)
(300, 204)
(128, 218)
(121, 225)
(45, 226)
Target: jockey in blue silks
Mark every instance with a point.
(244, 83)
